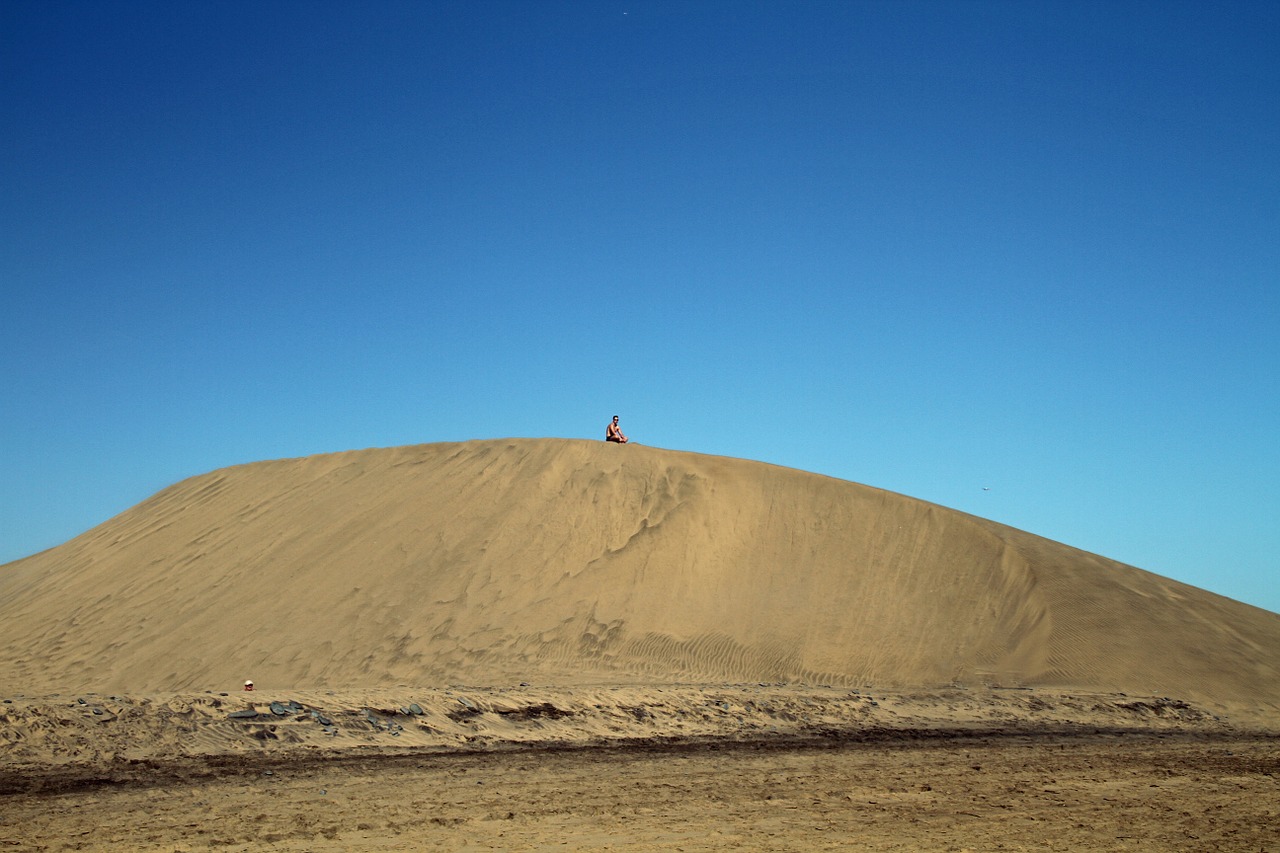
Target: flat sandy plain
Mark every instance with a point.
(760, 767)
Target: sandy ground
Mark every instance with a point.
(680, 652)
(1019, 792)
(682, 767)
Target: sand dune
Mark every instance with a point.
(579, 562)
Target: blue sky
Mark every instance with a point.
(1031, 248)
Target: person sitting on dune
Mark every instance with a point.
(613, 433)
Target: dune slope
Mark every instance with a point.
(565, 561)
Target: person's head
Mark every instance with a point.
(615, 419)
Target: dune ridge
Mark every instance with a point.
(571, 561)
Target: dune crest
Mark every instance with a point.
(569, 561)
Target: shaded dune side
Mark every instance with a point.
(563, 561)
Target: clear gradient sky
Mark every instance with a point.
(1021, 259)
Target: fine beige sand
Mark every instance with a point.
(586, 625)
(559, 561)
